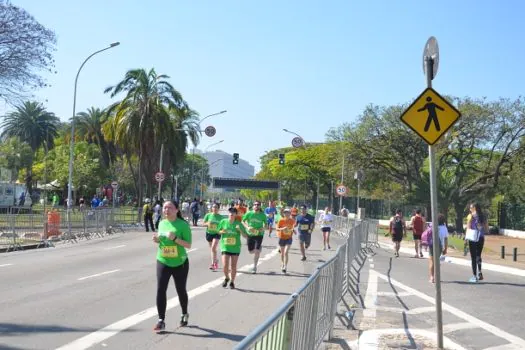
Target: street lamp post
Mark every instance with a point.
(72, 141)
(193, 152)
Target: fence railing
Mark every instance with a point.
(18, 229)
(307, 317)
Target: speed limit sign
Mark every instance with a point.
(341, 190)
(210, 131)
(159, 177)
(297, 142)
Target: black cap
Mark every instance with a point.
(233, 210)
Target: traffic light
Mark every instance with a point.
(281, 158)
(236, 158)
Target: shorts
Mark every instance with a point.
(326, 229)
(416, 237)
(230, 254)
(269, 221)
(284, 242)
(305, 237)
(255, 242)
(397, 237)
(431, 249)
(211, 236)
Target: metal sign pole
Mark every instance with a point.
(435, 230)
(160, 169)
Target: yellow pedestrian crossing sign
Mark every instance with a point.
(430, 116)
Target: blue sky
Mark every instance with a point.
(303, 65)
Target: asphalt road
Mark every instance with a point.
(399, 300)
(100, 294)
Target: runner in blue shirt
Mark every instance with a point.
(270, 212)
(305, 224)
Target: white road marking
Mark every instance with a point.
(415, 311)
(392, 294)
(98, 275)
(372, 266)
(113, 329)
(116, 247)
(505, 347)
(453, 327)
(458, 313)
(5, 265)
(368, 339)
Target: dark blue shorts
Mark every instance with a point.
(284, 242)
(305, 237)
(211, 236)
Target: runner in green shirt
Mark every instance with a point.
(211, 221)
(230, 231)
(255, 221)
(173, 238)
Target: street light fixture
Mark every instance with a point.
(296, 134)
(72, 141)
(202, 172)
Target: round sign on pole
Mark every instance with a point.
(114, 184)
(210, 131)
(159, 177)
(431, 50)
(297, 142)
(341, 190)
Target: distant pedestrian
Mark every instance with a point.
(443, 245)
(475, 236)
(417, 223)
(148, 215)
(397, 230)
(325, 221)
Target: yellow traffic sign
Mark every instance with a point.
(430, 116)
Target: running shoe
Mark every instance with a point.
(225, 283)
(254, 270)
(473, 279)
(184, 320)
(232, 285)
(211, 266)
(480, 277)
(159, 326)
(303, 258)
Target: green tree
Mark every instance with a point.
(89, 128)
(145, 119)
(33, 124)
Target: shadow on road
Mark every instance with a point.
(488, 283)
(210, 333)
(280, 274)
(13, 329)
(7, 347)
(261, 291)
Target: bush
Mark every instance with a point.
(493, 230)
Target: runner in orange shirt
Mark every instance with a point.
(241, 210)
(285, 230)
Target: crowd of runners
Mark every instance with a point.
(225, 238)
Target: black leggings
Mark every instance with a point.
(475, 254)
(180, 276)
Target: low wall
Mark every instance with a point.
(512, 233)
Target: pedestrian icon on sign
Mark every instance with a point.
(432, 114)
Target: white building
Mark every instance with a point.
(221, 165)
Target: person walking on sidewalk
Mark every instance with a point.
(397, 230)
(443, 244)
(418, 226)
(230, 231)
(173, 238)
(211, 221)
(148, 215)
(476, 227)
(325, 221)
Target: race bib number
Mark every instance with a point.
(253, 231)
(212, 226)
(230, 240)
(170, 252)
(304, 227)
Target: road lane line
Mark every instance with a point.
(368, 339)
(5, 265)
(98, 274)
(459, 313)
(394, 295)
(116, 247)
(113, 329)
(454, 327)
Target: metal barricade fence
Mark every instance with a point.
(43, 228)
(307, 317)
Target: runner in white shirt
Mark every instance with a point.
(325, 221)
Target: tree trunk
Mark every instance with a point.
(458, 206)
(139, 182)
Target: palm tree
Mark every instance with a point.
(89, 128)
(145, 118)
(33, 124)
